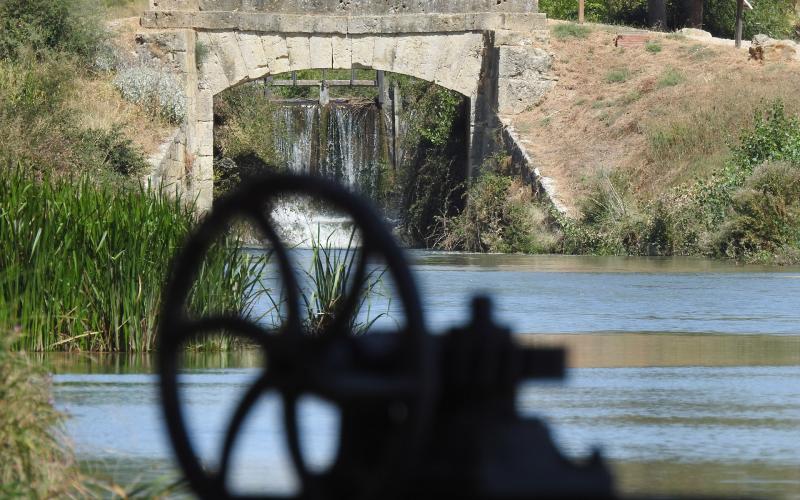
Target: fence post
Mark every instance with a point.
(739, 27)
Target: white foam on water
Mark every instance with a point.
(299, 225)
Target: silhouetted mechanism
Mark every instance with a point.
(422, 416)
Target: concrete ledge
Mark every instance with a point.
(355, 25)
(375, 7)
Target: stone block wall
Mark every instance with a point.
(497, 58)
(348, 7)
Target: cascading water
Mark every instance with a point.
(341, 141)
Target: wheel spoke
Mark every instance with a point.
(250, 398)
(292, 289)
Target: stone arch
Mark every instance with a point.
(494, 58)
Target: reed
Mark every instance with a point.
(82, 266)
(331, 278)
(35, 461)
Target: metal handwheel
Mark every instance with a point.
(351, 372)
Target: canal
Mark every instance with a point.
(685, 372)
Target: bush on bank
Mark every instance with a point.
(498, 217)
(82, 265)
(747, 210)
(45, 46)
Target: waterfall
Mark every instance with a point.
(341, 141)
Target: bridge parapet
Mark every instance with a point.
(386, 24)
(361, 7)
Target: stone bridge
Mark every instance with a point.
(491, 51)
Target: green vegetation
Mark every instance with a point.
(670, 78)
(776, 18)
(330, 280)
(35, 461)
(432, 173)
(653, 46)
(500, 216)
(618, 75)
(82, 265)
(244, 121)
(764, 220)
(45, 46)
(563, 31)
(41, 26)
(747, 210)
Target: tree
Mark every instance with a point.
(657, 13)
(692, 13)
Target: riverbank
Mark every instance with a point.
(663, 145)
(671, 350)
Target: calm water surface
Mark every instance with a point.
(685, 372)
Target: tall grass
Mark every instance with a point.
(329, 281)
(331, 278)
(34, 459)
(82, 266)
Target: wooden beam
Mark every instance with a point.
(329, 83)
(381, 87)
(581, 10)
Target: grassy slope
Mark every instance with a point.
(661, 117)
(100, 103)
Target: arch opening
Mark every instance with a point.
(403, 142)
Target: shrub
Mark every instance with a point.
(245, 128)
(155, 89)
(774, 137)
(653, 46)
(765, 219)
(34, 88)
(497, 219)
(112, 151)
(61, 25)
(35, 123)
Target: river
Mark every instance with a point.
(685, 372)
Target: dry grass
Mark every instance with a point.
(125, 8)
(35, 461)
(671, 119)
(99, 105)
